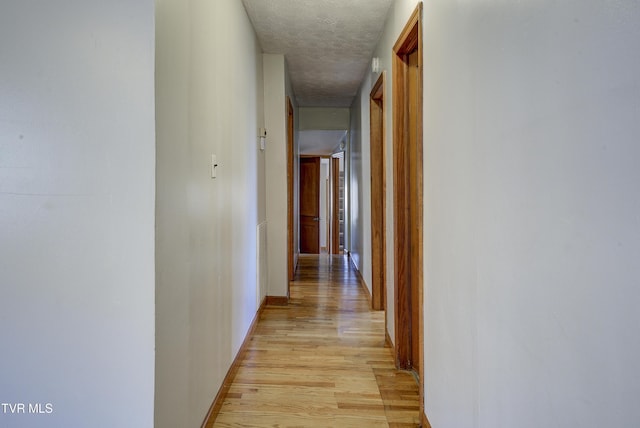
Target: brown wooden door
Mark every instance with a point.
(310, 205)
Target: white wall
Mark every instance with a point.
(209, 101)
(77, 212)
(359, 217)
(532, 213)
(531, 127)
(276, 172)
(277, 87)
(296, 164)
(532, 236)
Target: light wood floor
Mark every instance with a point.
(321, 361)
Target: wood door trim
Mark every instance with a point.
(424, 421)
(315, 156)
(411, 34)
(410, 40)
(290, 195)
(378, 193)
(377, 91)
(335, 212)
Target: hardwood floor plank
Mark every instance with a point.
(321, 361)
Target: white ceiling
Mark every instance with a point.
(328, 44)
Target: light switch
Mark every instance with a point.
(263, 136)
(214, 165)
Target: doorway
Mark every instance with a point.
(338, 203)
(378, 195)
(325, 205)
(408, 197)
(291, 238)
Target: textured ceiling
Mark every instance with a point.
(327, 43)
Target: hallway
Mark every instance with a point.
(321, 361)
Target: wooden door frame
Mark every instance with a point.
(290, 194)
(378, 193)
(330, 195)
(335, 202)
(328, 200)
(410, 39)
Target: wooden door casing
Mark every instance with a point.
(291, 256)
(408, 198)
(335, 204)
(378, 195)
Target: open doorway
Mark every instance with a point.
(378, 194)
(292, 254)
(321, 205)
(324, 199)
(408, 198)
(325, 205)
(338, 203)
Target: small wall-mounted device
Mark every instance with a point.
(214, 165)
(263, 138)
(375, 65)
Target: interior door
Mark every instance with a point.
(310, 205)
